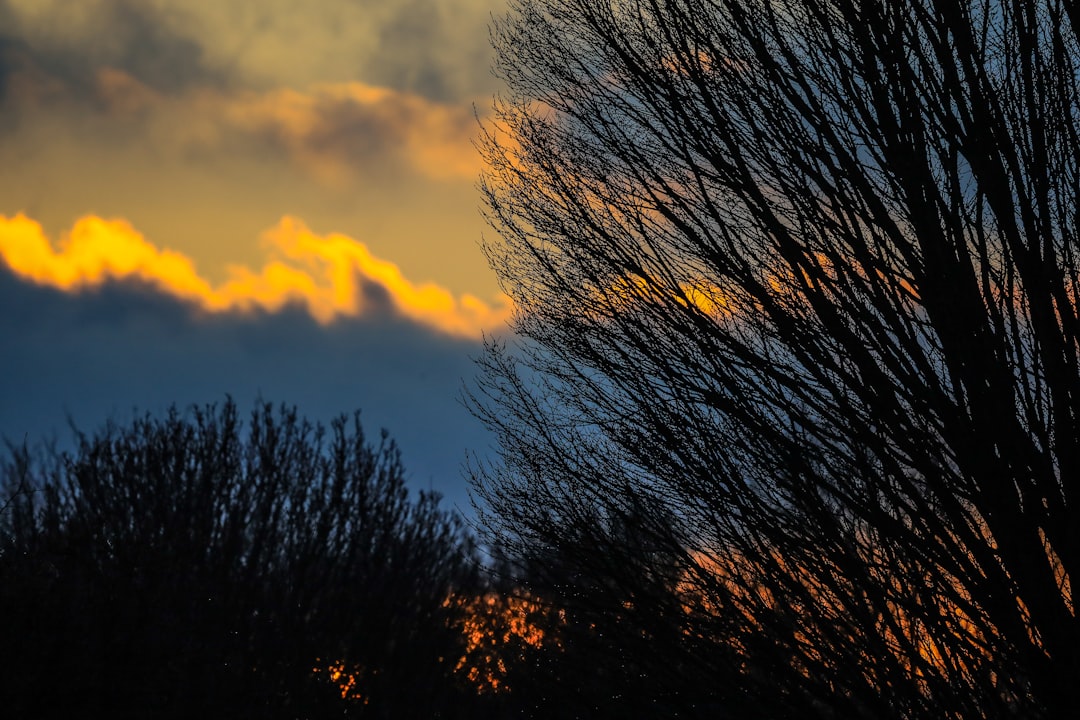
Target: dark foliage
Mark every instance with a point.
(794, 412)
(195, 566)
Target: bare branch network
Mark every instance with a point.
(796, 394)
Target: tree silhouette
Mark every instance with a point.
(798, 370)
(197, 565)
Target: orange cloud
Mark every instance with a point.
(332, 128)
(325, 274)
(334, 132)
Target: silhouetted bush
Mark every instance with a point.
(195, 565)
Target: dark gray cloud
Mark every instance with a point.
(336, 93)
(67, 45)
(106, 352)
(434, 48)
(418, 41)
(438, 50)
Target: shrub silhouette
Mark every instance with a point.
(193, 564)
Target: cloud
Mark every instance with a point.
(332, 130)
(353, 115)
(331, 277)
(340, 88)
(437, 49)
(434, 48)
(121, 346)
(334, 133)
(68, 42)
(202, 121)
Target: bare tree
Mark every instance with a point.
(796, 288)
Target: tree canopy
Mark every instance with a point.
(796, 389)
(195, 564)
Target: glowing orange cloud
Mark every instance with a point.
(325, 274)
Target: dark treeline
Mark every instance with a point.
(206, 565)
(202, 566)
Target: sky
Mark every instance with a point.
(271, 199)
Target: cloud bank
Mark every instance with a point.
(435, 48)
(330, 276)
(330, 132)
(123, 345)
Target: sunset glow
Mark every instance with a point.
(327, 275)
(497, 626)
(345, 677)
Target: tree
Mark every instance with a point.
(796, 292)
(194, 565)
